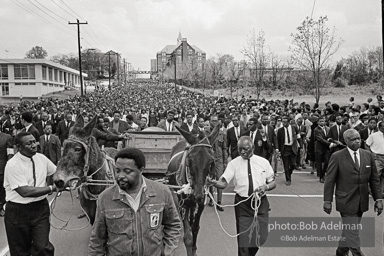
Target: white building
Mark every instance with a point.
(32, 78)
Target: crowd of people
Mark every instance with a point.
(298, 134)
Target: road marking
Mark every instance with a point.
(5, 251)
(280, 195)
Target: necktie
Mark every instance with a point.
(252, 136)
(266, 131)
(338, 133)
(43, 125)
(250, 181)
(356, 161)
(34, 172)
(289, 141)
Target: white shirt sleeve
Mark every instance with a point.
(269, 173)
(229, 173)
(369, 141)
(15, 176)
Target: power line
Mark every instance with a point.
(48, 14)
(37, 15)
(72, 10)
(313, 7)
(63, 9)
(51, 11)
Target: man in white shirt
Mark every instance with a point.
(375, 143)
(27, 210)
(251, 174)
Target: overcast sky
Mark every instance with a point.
(140, 28)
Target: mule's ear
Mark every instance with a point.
(187, 136)
(88, 128)
(79, 122)
(212, 137)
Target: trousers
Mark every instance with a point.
(244, 217)
(27, 227)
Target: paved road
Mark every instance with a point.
(301, 199)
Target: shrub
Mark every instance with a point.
(339, 82)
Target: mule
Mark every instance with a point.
(83, 160)
(191, 164)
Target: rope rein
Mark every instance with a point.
(255, 223)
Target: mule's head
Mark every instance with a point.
(200, 160)
(70, 169)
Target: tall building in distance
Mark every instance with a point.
(178, 57)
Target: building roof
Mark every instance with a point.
(169, 48)
(41, 61)
(197, 49)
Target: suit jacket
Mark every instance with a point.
(32, 129)
(333, 136)
(321, 142)
(54, 147)
(364, 135)
(123, 126)
(195, 129)
(303, 131)
(56, 119)
(351, 184)
(6, 127)
(281, 139)
(261, 146)
(271, 138)
(6, 142)
(163, 125)
(63, 131)
(40, 128)
(232, 141)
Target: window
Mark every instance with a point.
(163, 53)
(50, 74)
(190, 52)
(60, 76)
(199, 58)
(56, 76)
(178, 58)
(179, 51)
(25, 83)
(199, 54)
(163, 60)
(45, 84)
(4, 72)
(4, 89)
(23, 71)
(44, 71)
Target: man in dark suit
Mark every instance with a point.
(50, 145)
(40, 125)
(335, 134)
(366, 132)
(258, 137)
(302, 140)
(169, 124)
(6, 152)
(322, 148)
(117, 124)
(189, 126)
(63, 127)
(26, 121)
(6, 124)
(233, 135)
(56, 118)
(287, 147)
(271, 136)
(351, 170)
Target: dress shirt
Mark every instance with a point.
(27, 127)
(352, 153)
(289, 128)
(18, 173)
(376, 142)
(237, 170)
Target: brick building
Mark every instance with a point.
(183, 54)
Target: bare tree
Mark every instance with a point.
(313, 46)
(256, 53)
(36, 52)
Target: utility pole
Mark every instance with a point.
(125, 74)
(118, 68)
(175, 73)
(382, 32)
(78, 45)
(109, 68)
